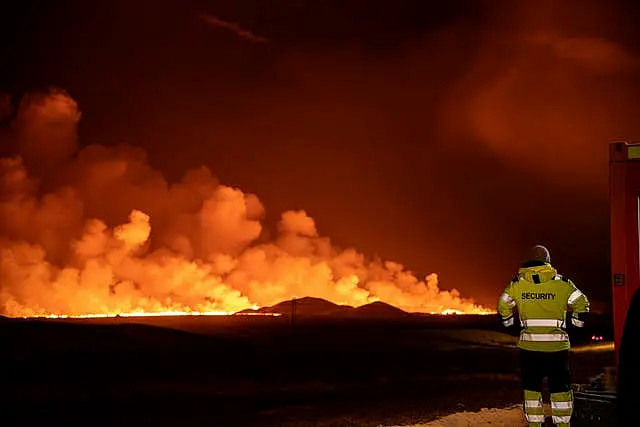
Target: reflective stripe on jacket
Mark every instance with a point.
(542, 297)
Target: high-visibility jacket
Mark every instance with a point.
(541, 297)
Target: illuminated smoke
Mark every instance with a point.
(116, 237)
(547, 96)
(46, 128)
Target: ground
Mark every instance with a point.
(494, 417)
(262, 372)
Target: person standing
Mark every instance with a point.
(541, 297)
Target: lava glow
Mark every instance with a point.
(148, 314)
(452, 311)
(98, 232)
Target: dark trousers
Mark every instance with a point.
(535, 365)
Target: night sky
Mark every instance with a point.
(447, 136)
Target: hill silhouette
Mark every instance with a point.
(307, 306)
(310, 306)
(380, 309)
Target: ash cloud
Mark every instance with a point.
(453, 153)
(549, 97)
(115, 236)
(46, 128)
(485, 138)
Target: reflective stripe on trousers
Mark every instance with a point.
(562, 405)
(532, 404)
(544, 337)
(532, 407)
(535, 418)
(552, 323)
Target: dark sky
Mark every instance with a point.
(448, 136)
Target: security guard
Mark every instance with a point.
(541, 297)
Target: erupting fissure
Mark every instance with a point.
(113, 237)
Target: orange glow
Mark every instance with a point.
(150, 314)
(117, 239)
(451, 311)
(106, 285)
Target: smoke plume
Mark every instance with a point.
(546, 94)
(449, 135)
(115, 237)
(46, 127)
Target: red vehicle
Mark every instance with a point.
(599, 408)
(624, 193)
